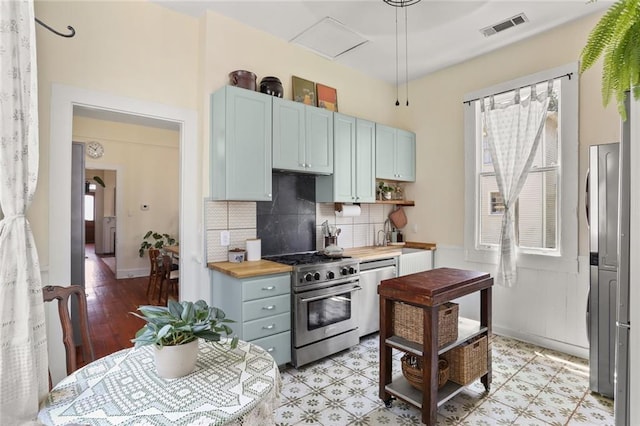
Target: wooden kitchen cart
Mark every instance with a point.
(428, 290)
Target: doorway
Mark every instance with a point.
(192, 270)
(100, 217)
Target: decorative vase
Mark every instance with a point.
(176, 361)
(271, 86)
(243, 78)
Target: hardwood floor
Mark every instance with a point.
(109, 302)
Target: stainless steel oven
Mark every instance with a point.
(325, 312)
(324, 308)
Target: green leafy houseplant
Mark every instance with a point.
(155, 240)
(179, 323)
(617, 37)
(385, 190)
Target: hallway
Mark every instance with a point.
(109, 302)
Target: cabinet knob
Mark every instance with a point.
(269, 195)
(271, 349)
(269, 327)
(271, 287)
(309, 165)
(269, 308)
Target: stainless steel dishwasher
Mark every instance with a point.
(371, 273)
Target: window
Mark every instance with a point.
(545, 222)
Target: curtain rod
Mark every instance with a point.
(569, 74)
(72, 31)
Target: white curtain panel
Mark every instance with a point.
(513, 131)
(23, 351)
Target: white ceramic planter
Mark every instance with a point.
(176, 361)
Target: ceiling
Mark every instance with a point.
(440, 33)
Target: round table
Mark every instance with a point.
(228, 386)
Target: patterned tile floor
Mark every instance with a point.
(531, 386)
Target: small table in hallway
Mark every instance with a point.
(231, 387)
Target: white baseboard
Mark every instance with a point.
(544, 342)
(132, 273)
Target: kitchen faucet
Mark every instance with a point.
(386, 230)
(384, 238)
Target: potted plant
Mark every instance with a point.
(617, 36)
(155, 240)
(174, 331)
(385, 191)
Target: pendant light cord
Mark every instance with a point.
(397, 85)
(406, 53)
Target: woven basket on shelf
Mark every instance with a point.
(407, 322)
(412, 371)
(467, 362)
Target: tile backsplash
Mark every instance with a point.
(287, 224)
(290, 223)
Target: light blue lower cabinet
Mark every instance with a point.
(278, 345)
(261, 309)
(266, 307)
(264, 327)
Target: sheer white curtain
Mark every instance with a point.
(23, 345)
(513, 131)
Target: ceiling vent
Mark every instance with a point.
(507, 23)
(329, 38)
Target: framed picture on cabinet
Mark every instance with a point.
(327, 97)
(304, 91)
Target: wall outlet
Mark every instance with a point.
(224, 238)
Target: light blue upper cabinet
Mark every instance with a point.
(395, 154)
(302, 137)
(240, 149)
(353, 179)
(365, 161)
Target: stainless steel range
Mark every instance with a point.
(325, 317)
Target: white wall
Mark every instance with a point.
(148, 159)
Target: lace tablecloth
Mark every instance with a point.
(228, 386)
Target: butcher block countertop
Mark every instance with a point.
(249, 269)
(266, 267)
(377, 252)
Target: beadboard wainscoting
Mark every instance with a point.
(547, 308)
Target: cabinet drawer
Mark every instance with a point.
(266, 287)
(266, 326)
(266, 307)
(278, 345)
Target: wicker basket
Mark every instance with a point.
(412, 371)
(467, 362)
(407, 322)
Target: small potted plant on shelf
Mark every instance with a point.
(154, 239)
(174, 331)
(385, 192)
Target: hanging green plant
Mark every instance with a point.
(99, 181)
(617, 37)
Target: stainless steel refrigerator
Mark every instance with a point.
(621, 388)
(602, 217)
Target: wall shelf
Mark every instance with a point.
(406, 203)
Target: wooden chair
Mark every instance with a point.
(154, 271)
(62, 295)
(170, 275)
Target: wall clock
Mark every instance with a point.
(95, 149)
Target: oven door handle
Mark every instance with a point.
(336, 293)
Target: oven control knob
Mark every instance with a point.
(308, 277)
(344, 271)
(352, 270)
(316, 276)
(330, 275)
